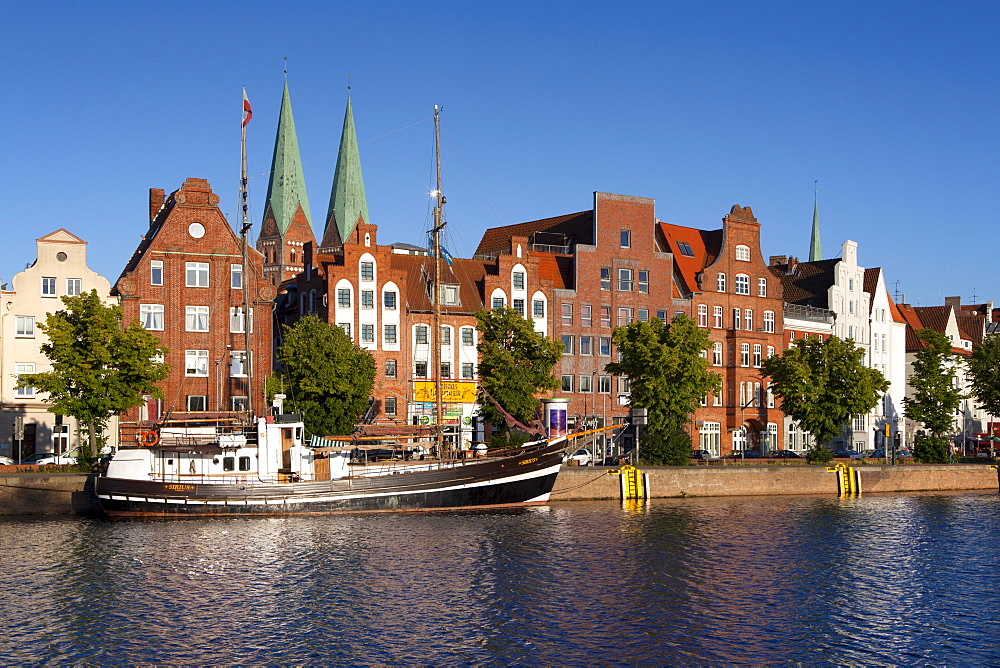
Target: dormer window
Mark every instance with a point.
(743, 253)
(449, 295)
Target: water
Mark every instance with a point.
(897, 579)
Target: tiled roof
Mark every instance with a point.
(893, 309)
(809, 282)
(871, 284)
(468, 274)
(704, 244)
(578, 226)
(555, 268)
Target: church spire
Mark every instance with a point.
(286, 188)
(815, 249)
(347, 198)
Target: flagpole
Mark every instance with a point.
(245, 251)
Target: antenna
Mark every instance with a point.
(348, 82)
(896, 292)
(285, 66)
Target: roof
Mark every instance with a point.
(704, 246)
(286, 186)
(467, 274)
(348, 203)
(579, 227)
(808, 283)
(555, 268)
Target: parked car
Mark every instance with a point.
(786, 454)
(744, 454)
(878, 454)
(582, 457)
(6, 461)
(705, 456)
(48, 458)
(903, 452)
(847, 454)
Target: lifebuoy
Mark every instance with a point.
(150, 438)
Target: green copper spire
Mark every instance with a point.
(347, 199)
(286, 189)
(815, 249)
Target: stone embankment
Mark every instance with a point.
(72, 493)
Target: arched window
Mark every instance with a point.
(743, 253)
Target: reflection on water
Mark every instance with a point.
(874, 580)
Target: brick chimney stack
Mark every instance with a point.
(776, 260)
(155, 202)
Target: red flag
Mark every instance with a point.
(247, 114)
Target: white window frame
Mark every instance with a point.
(196, 274)
(742, 285)
(49, 286)
(236, 276)
(151, 316)
(196, 319)
(24, 326)
(156, 272)
(196, 363)
(74, 286)
(236, 320)
(743, 253)
(21, 369)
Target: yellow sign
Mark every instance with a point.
(452, 391)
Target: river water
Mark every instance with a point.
(898, 579)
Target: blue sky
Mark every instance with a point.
(891, 106)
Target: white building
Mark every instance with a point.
(888, 355)
(59, 270)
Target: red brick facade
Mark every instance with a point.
(183, 284)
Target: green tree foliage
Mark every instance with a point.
(822, 384)
(934, 397)
(99, 367)
(326, 377)
(984, 368)
(929, 449)
(515, 365)
(668, 377)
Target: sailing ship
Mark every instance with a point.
(237, 465)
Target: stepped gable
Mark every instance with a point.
(578, 227)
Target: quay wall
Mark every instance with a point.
(72, 493)
(581, 482)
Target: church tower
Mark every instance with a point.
(348, 205)
(815, 249)
(287, 223)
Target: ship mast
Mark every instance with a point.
(244, 251)
(436, 288)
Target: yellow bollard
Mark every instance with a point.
(848, 479)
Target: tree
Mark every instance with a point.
(515, 365)
(934, 396)
(668, 376)
(99, 367)
(823, 384)
(984, 369)
(327, 378)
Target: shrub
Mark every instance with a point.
(928, 449)
(819, 455)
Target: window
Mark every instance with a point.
(237, 364)
(517, 280)
(643, 282)
(624, 316)
(567, 314)
(744, 354)
(24, 326)
(737, 315)
(604, 346)
(446, 369)
(685, 248)
(367, 299)
(604, 384)
(390, 368)
(605, 278)
(468, 336)
(717, 317)
(445, 336)
(717, 398)
(624, 280)
(748, 320)
(237, 321)
(390, 405)
(156, 272)
(74, 286)
(151, 316)
(497, 303)
(519, 306)
(468, 371)
(770, 352)
(850, 331)
(770, 396)
(449, 295)
(624, 385)
(367, 333)
(761, 287)
(367, 271)
(389, 300)
(769, 321)
(21, 369)
(757, 354)
(717, 353)
(743, 253)
(538, 308)
(587, 384)
(644, 315)
(389, 333)
(703, 315)
(421, 331)
(742, 284)
(625, 238)
(721, 282)
(567, 345)
(586, 315)
(850, 285)
(48, 287)
(236, 276)
(196, 402)
(420, 369)
(346, 326)
(586, 345)
(710, 437)
(343, 298)
(197, 274)
(195, 362)
(605, 316)
(567, 383)
(197, 319)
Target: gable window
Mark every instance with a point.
(761, 287)
(197, 274)
(343, 298)
(605, 278)
(721, 282)
(156, 272)
(74, 286)
(742, 284)
(625, 238)
(624, 280)
(367, 271)
(48, 286)
(236, 276)
(197, 319)
(389, 300)
(24, 326)
(743, 253)
(195, 362)
(517, 280)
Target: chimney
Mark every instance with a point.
(155, 202)
(776, 260)
(792, 261)
(954, 302)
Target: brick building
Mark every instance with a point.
(184, 283)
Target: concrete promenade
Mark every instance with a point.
(72, 493)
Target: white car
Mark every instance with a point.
(48, 458)
(6, 461)
(582, 457)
